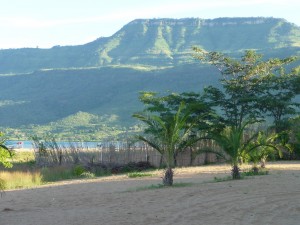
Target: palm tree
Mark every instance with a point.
(168, 135)
(234, 145)
(238, 146)
(265, 146)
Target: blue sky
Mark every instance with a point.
(45, 23)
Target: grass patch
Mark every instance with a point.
(17, 179)
(23, 156)
(59, 173)
(33, 178)
(139, 174)
(252, 173)
(159, 186)
(243, 175)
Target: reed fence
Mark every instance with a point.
(51, 153)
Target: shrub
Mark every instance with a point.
(78, 170)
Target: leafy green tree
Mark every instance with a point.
(5, 154)
(168, 105)
(278, 98)
(247, 83)
(168, 134)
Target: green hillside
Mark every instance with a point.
(47, 90)
(46, 96)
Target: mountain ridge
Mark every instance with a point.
(158, 42)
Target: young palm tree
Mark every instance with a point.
(234, 145)
(168, 135)
(257, 146)
(264, 147)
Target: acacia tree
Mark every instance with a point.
(168, 105)
(277, 101)
(247, 83)
(278, 98)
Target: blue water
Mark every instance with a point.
(29, 144)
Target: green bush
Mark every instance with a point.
(78, 170)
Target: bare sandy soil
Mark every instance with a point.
(272, 199)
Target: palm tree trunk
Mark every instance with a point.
(235, 172)
(255, 170)
(168, 177)
(263, 163)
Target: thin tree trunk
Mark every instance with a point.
(191, 156)
(161, 161)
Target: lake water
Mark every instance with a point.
(29, 144)
(86, 144)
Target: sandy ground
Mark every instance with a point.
(272, 199)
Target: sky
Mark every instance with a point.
(47, 23)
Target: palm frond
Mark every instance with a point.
(151, 143)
